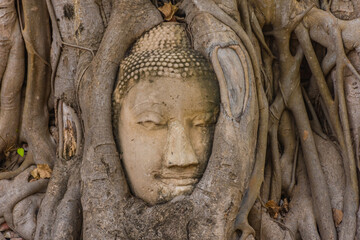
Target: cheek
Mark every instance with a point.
(201, 140)
(142, 150)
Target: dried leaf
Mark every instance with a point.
(273, 208)
(338, 216)
(4, 227)
(42, 171)
(285, 206)
(20, 151)
(11, 234)
(168, 10)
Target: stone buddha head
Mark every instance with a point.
(166, 104)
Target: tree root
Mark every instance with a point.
(24, 165)
(104, 184)
(353, 103)
(60, 207)
(272, 230)
(276, 110)
(292, 97)
(24, 215)
(332, 165)
(55, 45)
(192, 8)
(319, 190)
(288, 140)
(301, 217)
(256, 179)
(36, 33)
(315, 123)
(13, 191)
(341, 128)
(69, 210)
(12, 70)
(101, 175)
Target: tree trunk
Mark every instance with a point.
(285, 154)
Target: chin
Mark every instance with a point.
(167, 193)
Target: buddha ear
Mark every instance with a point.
(232, 65)
(232, 71)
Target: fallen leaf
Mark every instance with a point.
(285, 206)
(168, 10)
(10, 234)
(338, 216)
(20, 151)
(273, 208)
(42, 171)
(4, 227)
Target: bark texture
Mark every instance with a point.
(286, 151)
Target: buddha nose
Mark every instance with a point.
(178, 150)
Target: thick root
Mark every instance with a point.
(104, 191)
(36, 33)
(301, 217)
(25, 214)
(288, 140)
(61, 208)
(12, 70)
(13, 191)
(24, 165)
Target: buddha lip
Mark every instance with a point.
(178, 181)
(176, 175)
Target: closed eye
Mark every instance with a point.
(203, 124)
(204, 120)
(151, 120)
(151, 125)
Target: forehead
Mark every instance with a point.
(174, 91)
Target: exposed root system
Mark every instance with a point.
(288, 128)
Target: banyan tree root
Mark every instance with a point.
(352, 93)
(331, 30)
(301, 217)
(24, 215)
(24, 165)
(35, 114)
(333, 167)
(104, 183)
(59, 216)
(13, 191)
(12, 69)
(300, 220)
(193, 10)
(291, 93)
(287, 160)
(99, 140)
(35, 118)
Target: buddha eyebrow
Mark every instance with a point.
(147, 104)
(212, 103)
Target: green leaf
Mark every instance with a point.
(20, 151)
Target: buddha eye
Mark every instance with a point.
(204, 121)
(150, 125)
(151, 121)
(202, 124)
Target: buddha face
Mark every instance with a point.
(165, 130)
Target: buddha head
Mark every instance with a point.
(166, 104)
